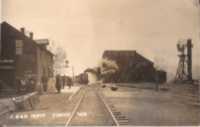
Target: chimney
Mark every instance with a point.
(22, 30)
(31, 35)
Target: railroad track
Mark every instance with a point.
(103, 111)
(74, 111)
(117, 116)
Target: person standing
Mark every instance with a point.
(157, 81)
(58, 83)
(45, 83)
(70, 82)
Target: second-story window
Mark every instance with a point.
(19, 47)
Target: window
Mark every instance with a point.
(19, 47)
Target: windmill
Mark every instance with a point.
(184, 70)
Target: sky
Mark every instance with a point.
(0, 11)
(85, 28)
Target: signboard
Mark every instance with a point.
(6, 61)
(6, 67)
(19, 47)
(6, 64)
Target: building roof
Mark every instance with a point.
(110, 54)
(25, 36)
(42, 41)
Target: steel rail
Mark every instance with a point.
(109, 110)
(74, 110)
(104, 103)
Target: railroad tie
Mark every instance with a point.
(117, 113)
(121, 117)
(123, 121)
(124, 124)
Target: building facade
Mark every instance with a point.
(133, 67)
(22, 57)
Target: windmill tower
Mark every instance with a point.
(184, 70)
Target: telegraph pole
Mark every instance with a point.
(73, 73)
(72, 67)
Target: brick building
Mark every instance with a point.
(20, 56)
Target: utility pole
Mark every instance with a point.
(72, 69)
(73, 73)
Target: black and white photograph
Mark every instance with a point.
(99, 63)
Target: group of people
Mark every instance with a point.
(62, 81)
(27, 83)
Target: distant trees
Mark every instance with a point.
(60, 57)
(108, 69)
(60, 61)
(105, 71)
(160, 63)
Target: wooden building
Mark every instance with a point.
(133, 67)
(21, 56)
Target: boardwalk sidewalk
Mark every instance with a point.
(26, 101)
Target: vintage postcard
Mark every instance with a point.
(99, 63)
